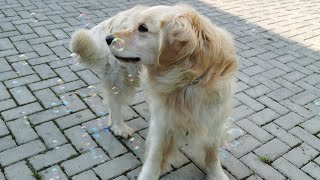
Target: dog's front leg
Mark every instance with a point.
(212, 161)
(156, 145)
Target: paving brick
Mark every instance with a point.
(241, 112)
(273, 73)
(312, 125)
(8, 75)
(44, 71)
(236, 167)
(5, 43)
(280, 94)
(54, 172)
(22, 95)
(254, 130)
(52, 157)
(247, 144)
(6, 143)
(19, 170)
(289, 170)
(44, 84)
(75, 119)
(297, 108)
(22, 68)
(22, 131)
(246, 79)
(80, 139)
(303, 98)
(73, 102)
(66, 74)
(253, 70)
(48, 115)
(51, 135)
(85, 162)
(116, 166)
(63, 88)
(4, 94)
(22, 81)
(257, 91)
(310, 139)
(247, 100)
(293, 76)
(21, 152)
(188, 172)
(47, 98)
(4, 66)
(312, 169)
(96, 105)
(41, 60)
(7, 104)
(88, 77)
(137, 124)
(308, 87)
(290, 120)
(21, 111)
(121, 178)
(301, 155)
(282, 134)
(41, 31)
(262, 169)
(263, 116)
(42, 49)
(85, 176)
(273, 149)
(299, 68)
(61, 51)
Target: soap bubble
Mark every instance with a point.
(234, 144)
(66, 103)
(114, 90)
(56, 109)
(69, 110)
(84, 20)
(60, 81)
(235, 132)
(34, 17)
(130, 77)
(74, 57)
(91, 87)
(24, 63)
(23, 57)
(317, 103)
(134, 143)
(117, 44)
(54, 104)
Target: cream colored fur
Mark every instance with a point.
(189, 70)
(94, 52)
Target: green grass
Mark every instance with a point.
(265, 159)
(36, 175)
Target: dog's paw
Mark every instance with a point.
(122, 130)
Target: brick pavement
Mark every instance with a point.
(52, 118)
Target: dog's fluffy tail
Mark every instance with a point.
(84, 45)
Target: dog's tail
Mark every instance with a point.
(84, 45)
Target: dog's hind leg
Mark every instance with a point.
(119, 127)
(212, 161)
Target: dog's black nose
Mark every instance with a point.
(109, 39)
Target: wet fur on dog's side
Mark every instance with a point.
(93, 51)
(189, 72)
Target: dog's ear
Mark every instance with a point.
(177, 38)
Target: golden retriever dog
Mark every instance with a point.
(189, 71)
(119, 80)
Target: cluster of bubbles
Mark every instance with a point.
(232, 133)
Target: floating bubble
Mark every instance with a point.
(135, 144)
(84, 20)
(223, 152)
(66, 103)
(61, 87)
(23, 63)
(114, 90)
(74, 57)
(34, 17)
(230, 119)
(317, 103)
(91, 87)
(95, 129)
(107, 129)
(94, 94)
(54, 141)
(60, 81)
(55, 109)
(69, 110)
(23, 57)
(130, 77)
(234, 144)
(117, 44)
(54, 104)
(102, 113)
(15, 82)
(235, 132)
(57, 147)
(96, 135)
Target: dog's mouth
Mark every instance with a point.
(128, 59)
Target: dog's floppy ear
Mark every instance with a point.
(177, 38)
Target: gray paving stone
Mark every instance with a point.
(290, 120)
(255, 130)
(241, 112)
(262, 169)
(6, 143)
(263, 116)
(257, 91)
(22, 131)
(44, 84)
(188, 172)
(22, 95)
(85, 162)
(8, 75)
(51, 134)
(297, 108)
(7, 104)
(23, 46)
(280, 94)
(21, 152)
(5, 43)
(22, 68)
(48, 115)
(52, 157)
(21, 111)
(312, 140)
(289, 170)
(289, 85)
(312, 169)
(19, 171)
(72, 102)
(54, 172)
(253, 70)
(85, 176)
(41, 60)
(96, 105)
(116, 166)
(71, 86)
(137, 124)
(44, 71)
(80, 139)
(22, 81)
(47, 98)
(4, 66)
(303, 98)
(293, 76)
(254, 177)
(75, 119)
(4, 94)
(247, 144)
(267, 82)
(250, 102)
(301, 155)
(42, 49)
(137, 145)
(3, 128)
(88, 77)
(273, 149)
(121, 178)
(66, 74)
(312, 125)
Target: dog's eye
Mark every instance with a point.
(142, 28)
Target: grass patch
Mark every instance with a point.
(265, 159)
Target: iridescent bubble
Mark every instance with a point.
(54, 104)
(74, 57)
(55, 109)
(130, 77)
(57, 147)
(235, 132)
(107, 129)
(23, 57)
(114, 90)
(317, 103)
(23, 63)
(135, 144)
(94, 94)
(84, 20)
(54, 141)
(231, 119)
(61, 87)
(60, 81)
(117, 44)
(234, 144)
(69, 110)
(91, 87)
(223, 152)
(95, 129)
(102, 113)
(66, 103)
(34, 17)
(15, 82)
(96, 135)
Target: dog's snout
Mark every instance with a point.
(109, 39)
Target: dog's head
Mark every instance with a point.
(162, 35)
